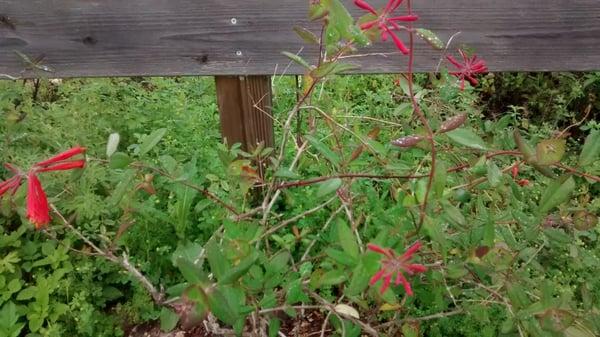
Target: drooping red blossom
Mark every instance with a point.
(468, 69)
(394, 267)
(523, 182)
(61, 156)
(37, 202)
(386, 22)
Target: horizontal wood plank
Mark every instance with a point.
(82, 38)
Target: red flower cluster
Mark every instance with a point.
(386, 22)
(468, 69)
(37, 203)
(392, 265)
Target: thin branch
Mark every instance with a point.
(294, 219)
(124, 262)
(366, 327)
(579, 173)
(422, 318)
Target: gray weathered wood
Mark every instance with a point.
(234, 37)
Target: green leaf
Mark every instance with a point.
(306, 35)
(329, 187)
(221, 306)
(299, 60)
(219, 264)
(494, 174)
(236, 272)
(439, 179)
(274, 325)
(168, 320)
(324, 150)
(295, 293)
(591, 149)
(119, 161)
(346, 239)
(467, 138)
(333, 277)
(431, 38)
(151, 141)
(340, 257)
(526, 149)
(453, 215)
(286, 173)
(550, 151)
(191, 272)
(9, 318)
(182, 209)
(556, 193)
(112, 144)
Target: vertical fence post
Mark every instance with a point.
(245, 109)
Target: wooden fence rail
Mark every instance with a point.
(85, 38)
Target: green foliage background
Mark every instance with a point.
(51, 287)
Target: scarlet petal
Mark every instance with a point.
(472, 80)
(399, 44)
(37, 203)
(368, 25)
(454, 61)
(8, 184)
(377, 249)
(417, 268)
(405, 18)
(364, 5)
(406, 285)
(64, 166)
(411, 250)
(392, 5)
(11, 168)
(62, 156)
(376, 277)
(386, 283)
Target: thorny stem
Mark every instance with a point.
(422, 118)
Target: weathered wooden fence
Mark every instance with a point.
(85, 38)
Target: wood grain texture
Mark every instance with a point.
(198, 37)
(245, 110)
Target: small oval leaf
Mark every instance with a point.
(306, 35)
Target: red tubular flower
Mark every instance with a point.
(61, 156)
(468, 69)
(386, 23)
(63, 166)
(393, 266)
(37, 203)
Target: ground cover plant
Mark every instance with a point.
(398, 206)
